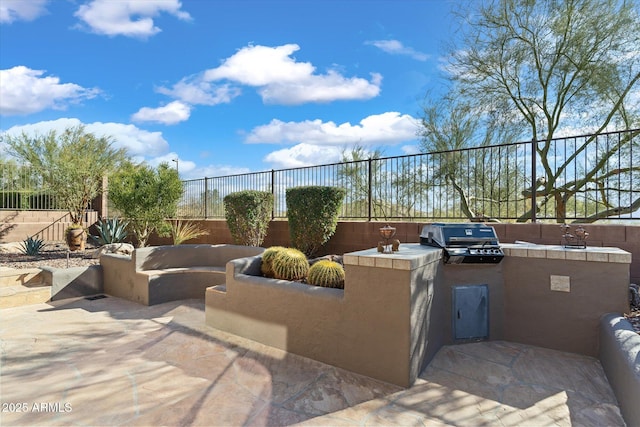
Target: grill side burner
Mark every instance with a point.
(464, 243)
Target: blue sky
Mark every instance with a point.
(224, 86)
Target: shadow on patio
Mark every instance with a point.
(119, 363)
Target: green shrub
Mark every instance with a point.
(267, 260)
(32, 246)
(248, 214)
(326, 273)
(290, 264)
(313, 215)
(146, 196)
(110, 230)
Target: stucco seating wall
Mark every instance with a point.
(158, 274)
(620, 358)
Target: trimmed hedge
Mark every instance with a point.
(313, 215)
(248, 214)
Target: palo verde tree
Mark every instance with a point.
(475, 177)
(146, 197)
(357, 168)
(391, 187)
(557, 66)
(72, 164)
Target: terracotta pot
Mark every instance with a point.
(76, 239)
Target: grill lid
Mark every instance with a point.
(464, 242)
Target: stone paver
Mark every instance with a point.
(116, 363)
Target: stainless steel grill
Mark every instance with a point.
(463, 243)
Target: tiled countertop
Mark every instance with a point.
(409, 257)
(590, 253)
(413, 255)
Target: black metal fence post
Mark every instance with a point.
(534, 179)
(369, 189)
(206, 196)
(273, 192)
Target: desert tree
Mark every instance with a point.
(469, 159)
(394, 185)
(559, 67)
(71, 164)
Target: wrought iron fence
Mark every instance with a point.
(22, 189)
(579, 178)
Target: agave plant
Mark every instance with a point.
(31, 246)
(110, 230)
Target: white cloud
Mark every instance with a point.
(396, 47)
(21, 10)
(262, 65)
(170, 114)
(211, 171)
(25, 91)
(324, 88)
(302, 155)
(136, 141)
(131, 18)
(410, 149)
(283, 80)
(141, 145)
(317, 142)
(382, 129)
(189, 169)
(196, 91)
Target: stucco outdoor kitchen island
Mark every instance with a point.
(397, 310)
(375, 326)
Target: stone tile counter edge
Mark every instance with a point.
(409, 257)
(589, 254)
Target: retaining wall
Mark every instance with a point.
(50, 226)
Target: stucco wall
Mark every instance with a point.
(359, 235)
(46, 225)
(157, 274)
(567, 319)
(376, 326)
(396, 309)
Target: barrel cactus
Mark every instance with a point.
(326, 273)
(290, 264)
(267, 259)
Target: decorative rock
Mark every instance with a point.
(114, 248)
(11, 248)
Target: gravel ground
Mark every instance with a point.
(52, 255)
(56, 255)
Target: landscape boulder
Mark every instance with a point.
(114, 248)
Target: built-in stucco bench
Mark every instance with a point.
(158, 274)
(620, 358)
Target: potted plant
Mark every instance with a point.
(76, 237)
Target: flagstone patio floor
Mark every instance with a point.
(110, 362)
